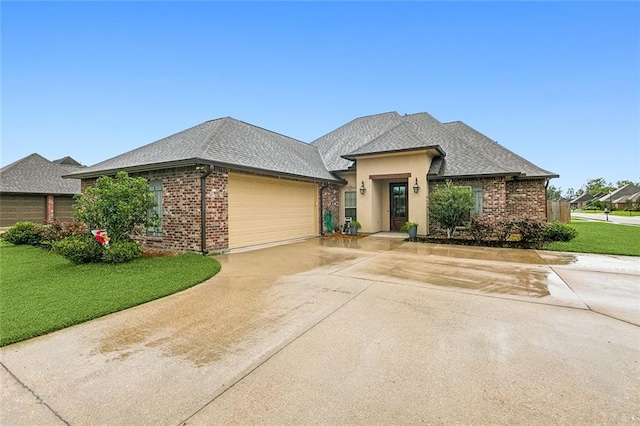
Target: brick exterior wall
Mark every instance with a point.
(330, 201)
(503, 199)
(181, 209)
(527, 198)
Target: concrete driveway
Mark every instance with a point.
(352, 331)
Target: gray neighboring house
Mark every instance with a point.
(619, 197)
(226, 184)
(32, 189)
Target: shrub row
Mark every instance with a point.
(71, 240)
(529, 230)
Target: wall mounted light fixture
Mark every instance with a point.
(362, 188)
(416, 187)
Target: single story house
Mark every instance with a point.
(581, 201)
(32, 189)
(226, 184)
(616, 199)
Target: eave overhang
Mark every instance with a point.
(435, 149)
(192, 162)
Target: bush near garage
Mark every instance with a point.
(28, 233)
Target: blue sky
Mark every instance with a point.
(556, 82)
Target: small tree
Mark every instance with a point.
(628, 205)
(450, 206)
(120, 205)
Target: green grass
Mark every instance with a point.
(601, 238)
(41, 291)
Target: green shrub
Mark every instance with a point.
(557, 231)
(55, 230)
(121, 252)
(530, 229)
(24, 233)
(504, 228)
(481, 227)
(79, 249)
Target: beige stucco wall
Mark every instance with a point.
(373, 206)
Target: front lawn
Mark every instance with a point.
(41, 291)
(601, 238)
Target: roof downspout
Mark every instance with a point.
(322, 186)
(205, 171)
(546, 204)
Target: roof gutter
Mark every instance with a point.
(200, 161)
(205, 171)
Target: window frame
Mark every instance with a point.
(348, 206)
(155, 187)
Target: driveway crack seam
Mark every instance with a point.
(586, 304)
(261, 363)
(36, 396)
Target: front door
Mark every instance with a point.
(398, 203)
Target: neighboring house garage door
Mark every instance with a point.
(63, 208)
(265, 210)
(20, 208)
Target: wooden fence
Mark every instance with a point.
(559, 211)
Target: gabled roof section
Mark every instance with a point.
(352, 136)
(225, 142)
(461, 158)
(582, 198)
(621, 193)
(496, 152)
(68, 161)
(35, 174)
(464, 151)
(400, 138)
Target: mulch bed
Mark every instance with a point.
(341, 235)
(461, 241)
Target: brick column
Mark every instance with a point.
(50, 208)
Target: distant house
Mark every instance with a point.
(32, 189)
(617, 199)
(226, 184)
(581, 201)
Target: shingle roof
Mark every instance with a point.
(582, 198)
(403, 137)
(353, 135)
(461, 159)
(226, 142)
(466, 151)
(495, 151)
(621, 193)
(35, 174)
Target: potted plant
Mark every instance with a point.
(411, 228)
(354, 225)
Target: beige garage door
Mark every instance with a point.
(21, 208)
(265, 210)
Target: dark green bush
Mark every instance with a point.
(24, 233)
(121, 252)
(504, 228)
(481, 227)
(530, 229)
(557, 231)
(80, 249)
